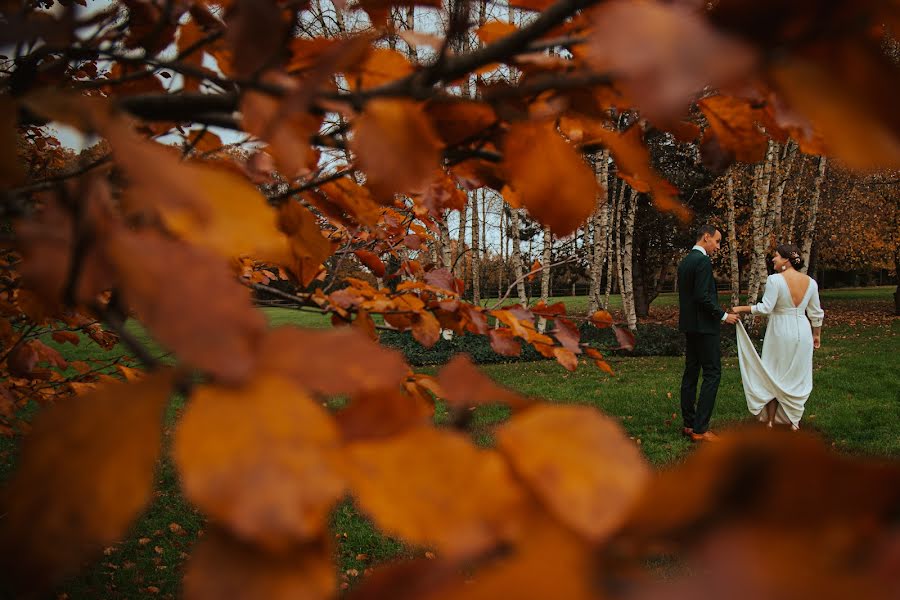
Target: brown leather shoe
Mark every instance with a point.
(707, 436)
(687, 431)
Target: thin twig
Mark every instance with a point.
(526, 275)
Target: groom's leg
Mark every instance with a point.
(689, 379)
(711, 361)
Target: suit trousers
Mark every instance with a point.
(703, 352)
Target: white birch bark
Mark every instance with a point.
(811, 218)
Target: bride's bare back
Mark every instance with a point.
(798, 284)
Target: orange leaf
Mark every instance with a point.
(382, 413)
(494, 30)
(66, 336)
(566, 358)
(735, 125)
(426, 329)
(381, 66)
(86, 471)
(272, 434)
(463, 386)
(664, 54)
(503, 342)
(535, 270)
(336, 361)
(458, 120)
(555, 185)
(633, 161)
(164, 280)
(547, 446)
(396, 147)
(410, 485)
(371, 260)
(309, 247)
(224, 567)
(602, 319)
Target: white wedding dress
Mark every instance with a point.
(785, 370)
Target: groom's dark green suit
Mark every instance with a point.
(700, 318)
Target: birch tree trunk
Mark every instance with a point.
(518, 273)
(760, 235)
(502, 273)
(618, 236)
(611, 228)
(785, 165)
(476, 251)
(790, 234)
(813, 209)
(444, 232)
(599, 223)
(732, 243)
(461, 240)
(628, 259)
(546, 257)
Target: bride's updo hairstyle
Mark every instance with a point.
(792, 253)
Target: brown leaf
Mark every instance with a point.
(463, 386)
(410, 485)
(547, 446)
(494, 30)
(46, 242)
(164, 280)
(444, 279)
(504, 342)
(537, 160)
(287, 127)
(381, 66)
(426, 329)
(309, 247)
(633, 161)
(664, 53)
(224, 567)
(458, 120)
(602, 319)
(566, 358)
(371, 260)
(396, 147)
(625, 337)
(382, 414)
(85, 473)
(262, 459)
(257, 33)
(336, 361)
(734, 123)
(551, 562)
(66, 336)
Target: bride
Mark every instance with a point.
(781, 381)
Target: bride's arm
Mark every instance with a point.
(768, 302)
(816, 314)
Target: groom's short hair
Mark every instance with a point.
(704, 229)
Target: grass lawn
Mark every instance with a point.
(855, 406)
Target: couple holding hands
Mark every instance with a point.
(777, 384)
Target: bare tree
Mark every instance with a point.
(811, 218)
(732, 242)
(599, 235)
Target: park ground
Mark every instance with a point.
(855, 408)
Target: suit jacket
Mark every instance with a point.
(698, 303)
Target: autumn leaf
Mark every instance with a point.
(395, 146)
(335, 361)
(546, 446)
(633, 161)
(371, 260)
(308, 246)
(410, 485)
(86, 471)
(552, 180)
(601, 319)
(504, 343)
(494, 30)
(735, 124)
(224, 567)
(11, 171)
(625, 337)
(279, 439)
(458, 120)
(464, 386)
(162, 280)
(256, 34)
(664, 53)
(380, 66)
(381, 414)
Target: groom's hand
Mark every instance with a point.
(732, 318)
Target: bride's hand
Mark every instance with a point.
(817, 341)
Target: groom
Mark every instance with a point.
(700, 318)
